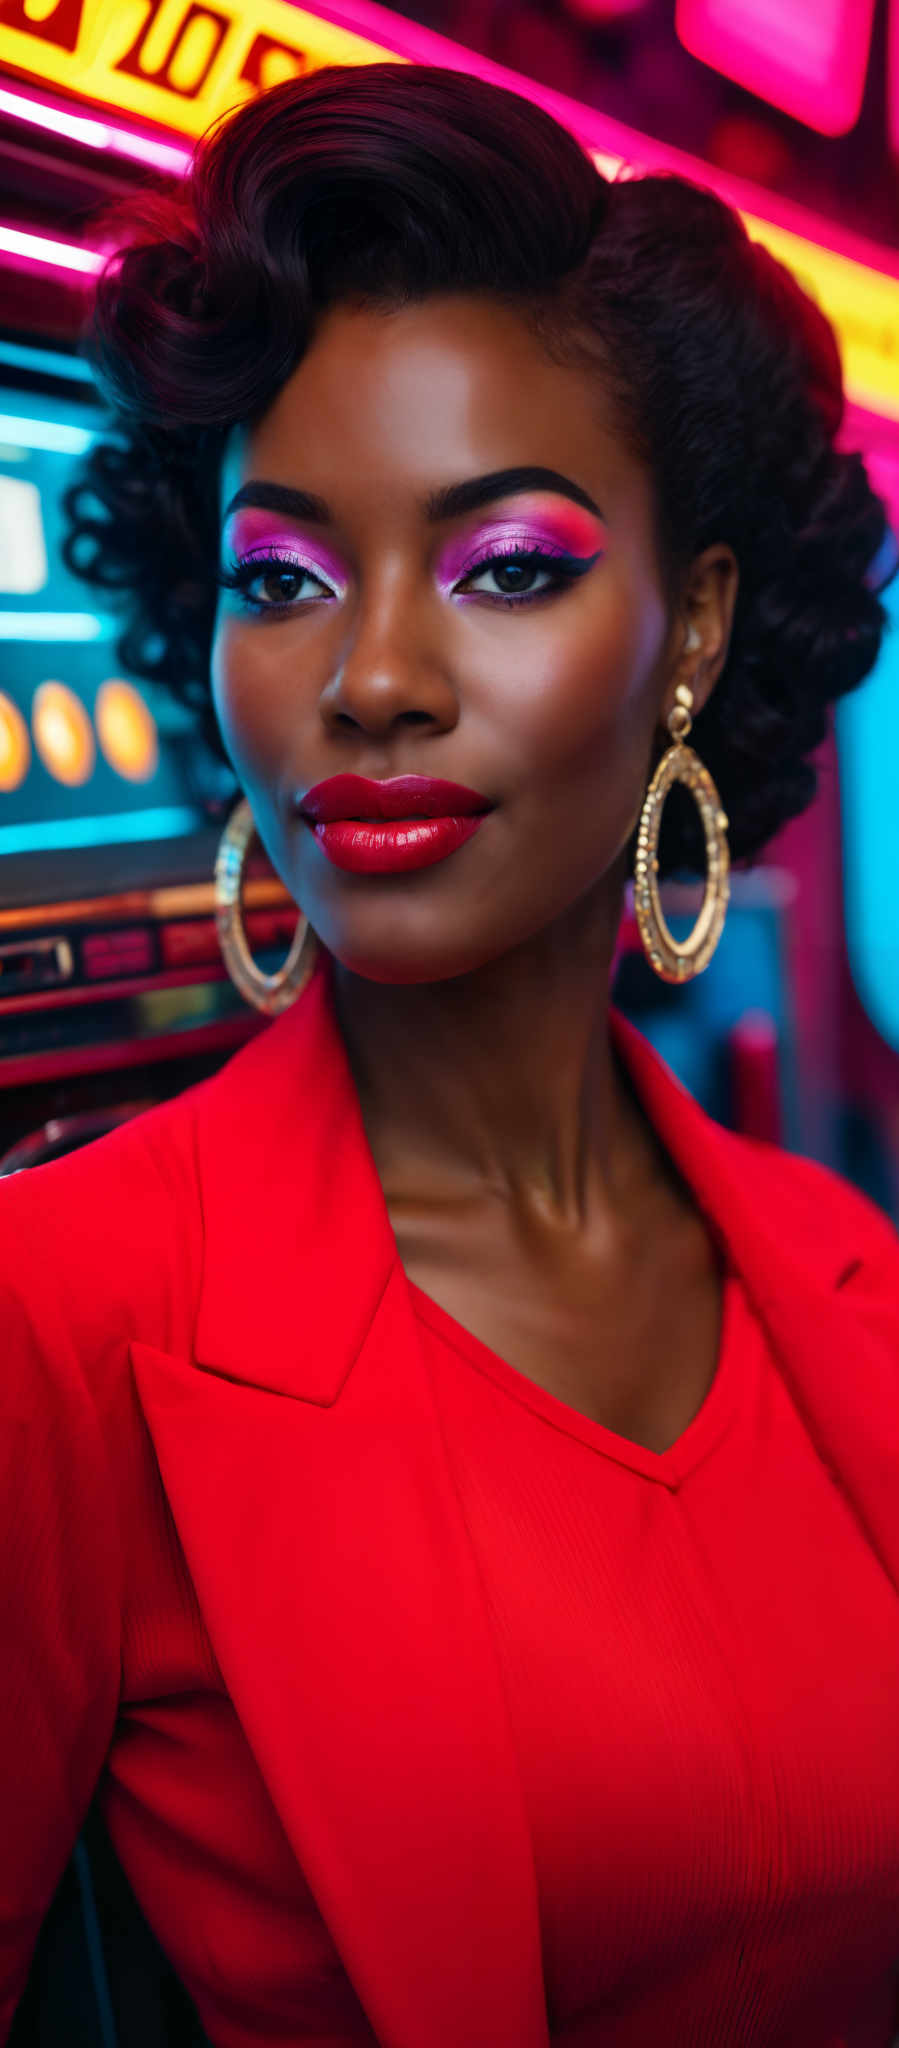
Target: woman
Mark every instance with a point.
(452, 1481)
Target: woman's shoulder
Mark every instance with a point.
(823, 1213)
(104, 1243)
(109, 1245)
(818, 1215)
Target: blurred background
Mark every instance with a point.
(112, 989)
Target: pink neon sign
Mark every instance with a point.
(807, 56)
(893, 79)
(93, 134)
(26, 249)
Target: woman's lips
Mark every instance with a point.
(365, 847)
(400, 797)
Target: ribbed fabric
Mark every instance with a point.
(701, 1664)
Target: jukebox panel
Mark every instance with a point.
(112, 986)
(88, 755)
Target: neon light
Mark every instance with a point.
(157, 64)
(893, 78)
(855, 281)
(63, 734)
(147, 149)
(863, 305)
(40, 249)
(23, 549)
(811, 61)
(51, 434)
(17, 356)
(55, 626)
(126, 730)
(167, 822)
(91, 133)
(867, 728)
(15, 745)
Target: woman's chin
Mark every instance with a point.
(410, 966)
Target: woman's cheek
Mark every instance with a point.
(241, 698)
(221, 680)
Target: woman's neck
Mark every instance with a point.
(502, 1082)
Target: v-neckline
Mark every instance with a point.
(669, 1467)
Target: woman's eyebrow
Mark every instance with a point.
(448, 503)
(454, 499)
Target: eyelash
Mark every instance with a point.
(565, 569)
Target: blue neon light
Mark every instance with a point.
(17, 356)
(164, 822)
(56, 626)
(52, 434)
(867, 727)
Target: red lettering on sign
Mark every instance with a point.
(61, 28)
(260, 50)
(133, 67)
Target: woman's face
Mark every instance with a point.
(408, 644)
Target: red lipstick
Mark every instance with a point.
(404, 796)
(410, 821)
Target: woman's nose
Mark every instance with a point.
(393, 671)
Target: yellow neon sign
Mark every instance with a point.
(183, 63)
(179, 63)
(863, 305)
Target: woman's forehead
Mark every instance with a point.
(402, 403)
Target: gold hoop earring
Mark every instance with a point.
(672, 960)
(268, 992)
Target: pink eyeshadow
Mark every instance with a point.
(251, 532)
(534, 524)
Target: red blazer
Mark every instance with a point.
(216, 1287)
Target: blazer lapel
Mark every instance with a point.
(302, 1457)
(306, 1474)
(803, 1261)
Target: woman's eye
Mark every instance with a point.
(272, 584)
(517, 574)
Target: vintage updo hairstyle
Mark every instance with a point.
(387, 182)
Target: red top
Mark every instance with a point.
(425, 1712)
(710, 1776)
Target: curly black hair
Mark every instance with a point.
(387, 182)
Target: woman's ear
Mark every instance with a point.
(707, 610)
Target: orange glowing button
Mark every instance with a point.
(127, 730)
(63, 734)
(15, 746)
